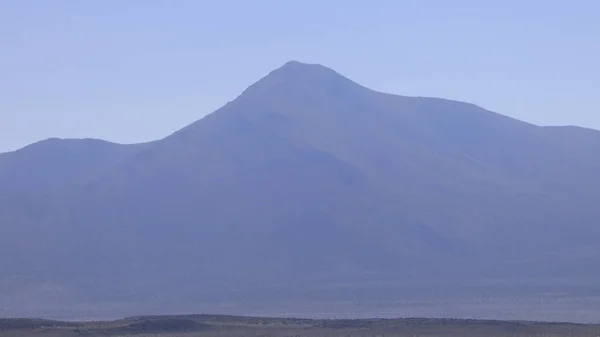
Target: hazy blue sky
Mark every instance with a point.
(136, 70)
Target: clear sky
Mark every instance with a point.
(137, 70)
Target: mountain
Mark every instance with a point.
(56, 162)
(307, 183)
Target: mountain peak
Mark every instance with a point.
(298, 77)
(314, 71)
(293, 64)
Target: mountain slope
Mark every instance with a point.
(308, 179)
(33, 184)
(55, 162)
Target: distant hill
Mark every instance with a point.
(57, 162)
(307, 181)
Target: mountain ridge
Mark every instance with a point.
(305, 180)
(299, 65)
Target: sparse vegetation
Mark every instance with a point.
(211, 325)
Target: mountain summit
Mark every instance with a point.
(296, 80)
(304, 182)
(304, 72)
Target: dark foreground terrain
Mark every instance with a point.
(214, 325)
